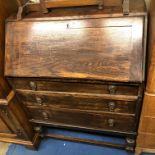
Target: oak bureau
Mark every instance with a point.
(80, 68)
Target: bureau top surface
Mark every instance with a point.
(95, 48)
(137, 7)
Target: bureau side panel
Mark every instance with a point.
(3, 127)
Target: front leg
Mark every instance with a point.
(130, 144)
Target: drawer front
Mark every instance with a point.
(151, 79)
(36, 84)
(98, 121)
(77, 101)
(146, 140)
(76, 49)
(149, 105)
(147, 125)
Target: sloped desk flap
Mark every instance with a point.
(101, 49)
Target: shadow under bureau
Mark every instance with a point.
(80, 68)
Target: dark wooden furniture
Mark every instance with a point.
(80, 68)
(146, 133)
(14, 125)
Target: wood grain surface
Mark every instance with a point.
(149, 106)
(89, 120)
(74, 86)
(73, 49)
(77, 102)
(66, 67)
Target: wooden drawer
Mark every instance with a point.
(37, 84)
(145, 140)
(151, 79)
(88, 120)
(81, 102)
(147, 125)
(149, 105)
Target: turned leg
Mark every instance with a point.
(130, 144)
(34, 145)
(36, 139)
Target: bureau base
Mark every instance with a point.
(29, 144)
(129, 144)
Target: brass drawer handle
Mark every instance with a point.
(39, 101)
(112, 89)
(45, 115)
(112, 106)
(111, 122)
(33, 85)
